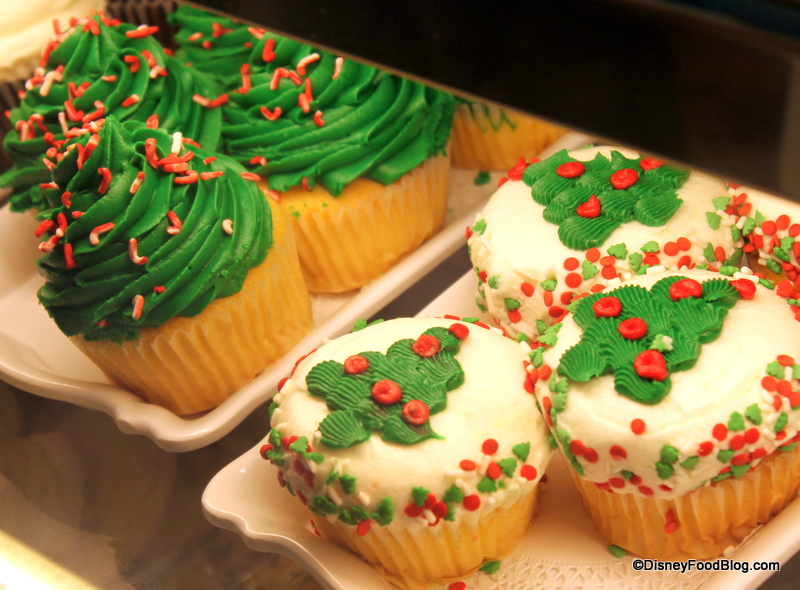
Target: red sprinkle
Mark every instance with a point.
(638, 426)
(387, 392)
(363, 527)
(622, 179)
(571, 169)
(489, 446)
(268, 54)
(355, 364)
(472, 502)
(671, 527)
(250, 176)
(142, 31)
(785, 360)
(415, 412)
(528, 472)
(590, 455)
(468, 465)
(618, 452)
(720, 432)
(494, 471)
(633, 329)
(577, 447)
(457, 586)
(426, 345)
(650, 364)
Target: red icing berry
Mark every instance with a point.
(720, 432)
(650, 364)
(355, 364)
(617, 482)
(460, 331)
(571, 169)
(363, 528)
(746, 288)
(633, 329)
(489, 446)
(426, 345)
(412, 510)
(472, 502)
(624, 178)
(751, 436)
(685, 288)
(637, 426)
(467, 465)
(618, 452)
(607, 307)
(387, 392)
(494, 471)
(590, 208)
(516, 172)
(528, 472)
(705, 448)
(650, 163)
(415, 412)
(440, 510)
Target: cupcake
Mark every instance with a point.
(674, 400)
(356, 156)
(585, 220)
(166, 267)
(95, 68)
(489, 137)
(415, 444)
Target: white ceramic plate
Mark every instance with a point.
(560, 551)
(36, 357)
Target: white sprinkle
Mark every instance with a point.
(758, 231)
(464, 487)
(55, 75)
(326, 340)
(483, 464)
(338, 67)
(454, 473)
(177, 143)
(741, 222)
(745, 270)
(525, 345)
(626, 276)
(614, 282)
(429, 516)
(277, 413)
(62, 118)
(227, 226)
(364, 498)
(667, 340)
(656, 269)
(334, 495)
(281, 426)
(699, 242)
(491, 501)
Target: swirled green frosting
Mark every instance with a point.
(87, 55)
(361, 122)
(213, 44)
(196, 265)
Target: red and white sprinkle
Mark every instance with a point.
(318, 119)
(94, 236)
(106, 182)
(48, 245)
(209, 175)
(132, 99)
(133, 252)
(62, 119)
(250, 176)
(271, 116)
(49, 78)
(309, 59)
(137, 182)
(337, 67)
(142, 31)
(138, 307)
(227, 226)
(177, 143)
(176, 223)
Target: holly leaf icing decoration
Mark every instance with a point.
(691, 316)
(419, 375)
(642, 189)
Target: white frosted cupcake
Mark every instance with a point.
(414, 443)
(674, 401)
(585, 220)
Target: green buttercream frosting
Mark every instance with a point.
(652, 199)
(374, 125)
(690, 322)
(354, 413)
(200, 263)
(83, 57)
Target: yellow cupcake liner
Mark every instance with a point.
(428, 556)
(190, 365)
(710, 520)
(348, 241)
(486, 137)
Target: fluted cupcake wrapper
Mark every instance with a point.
(348, 241)
(419, 557)
(478, 144)
(709, 520)
(190, 365)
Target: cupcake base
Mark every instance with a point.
(490, 138)
(191, 365)
(348, 241)
(709, 520)
(430, 556)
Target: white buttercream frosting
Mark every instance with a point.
(492, 403)
(28, 26)
(695, 416)
(518, 250)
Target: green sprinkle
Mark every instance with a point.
(521, 451)
(767, 284)
(664, 470)
(739, 470)
(736, 422)
(276, 457)
(690, 463)
(725, 456)
(551, 442)
(787, 242)
(627, 475)
(753, 413)
(774, 267)
(348, 483)
(494, 281)
(322, 505)
(721, 203)
(749, 226)
(482, 178)
(511, 304)
(549, 284)
(296, 214)
(453, 494)
(713, 220)
(537, 357)
(759, 218)
(522, 338)
(775, 369)
(588, 270)
(551, 383)
(780, 423)
(471, 320)
(560, 400)
(788, 447)
(618, 251)
(617, 551)
(480, 226)
(721, 476)
(650, 247)
(480, 305)
(331, 477)
(781, 253)
(385, 512)
(728, 270)
(419, 495)
(562, 386)
(660, 343)
(736, 233)
(490, 567)
(669, 454)
(635, 260)
(347, 518)
(359, 325)
(315, 457)
(549, 338)
(541, 327)
(708, 252)
(487, 485)
(359, 513)
(508, 466)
